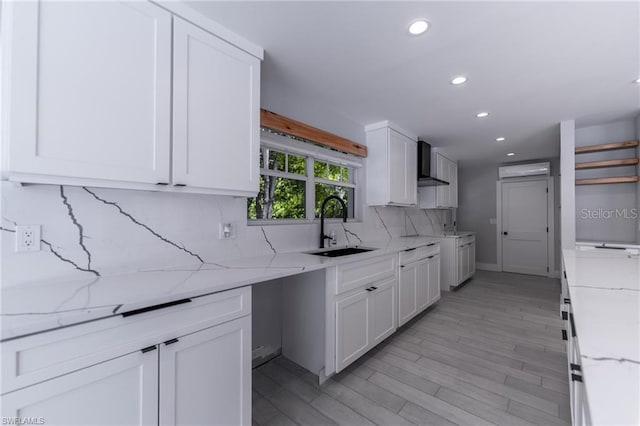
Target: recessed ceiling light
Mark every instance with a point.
(637, 81)
(500, 139)
(459, 80)
(482, 114)
(511, 154)
(418, 27)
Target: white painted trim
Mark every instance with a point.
(488, 267)
(499, 225)
(551, 235)
(388, 124)
(193, 16)
(550, 221)
(567, 184)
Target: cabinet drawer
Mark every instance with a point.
(36, 358)
(418, 253)
(357, 274)
(463, 241)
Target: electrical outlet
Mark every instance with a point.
(27, 238)
(227, 231)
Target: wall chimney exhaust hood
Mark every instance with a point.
(424, 167)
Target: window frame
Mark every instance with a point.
(311, 153)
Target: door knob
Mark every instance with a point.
(505, 233)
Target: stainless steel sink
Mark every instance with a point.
(341, 251)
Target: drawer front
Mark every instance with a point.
(418, 253)
(358, 274)
(40, 357)
(466, 240)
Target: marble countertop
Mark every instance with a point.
(604, 287)
(458, 234)
(42, 306)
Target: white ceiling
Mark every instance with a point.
(530, 64)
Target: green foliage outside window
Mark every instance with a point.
(282, 193)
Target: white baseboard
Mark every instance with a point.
(488, 266)
(555, 274)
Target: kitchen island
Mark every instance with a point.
(603, 289)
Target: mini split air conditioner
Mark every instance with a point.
(522, 170)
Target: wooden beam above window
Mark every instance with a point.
(280, 123)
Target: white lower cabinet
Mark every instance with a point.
(364, 319)
(407, 293)
(205, 377)
(434, 280)
(353, 338)
(458, 259)
(419, 284)
(466, 261)
(182, 365)
(383, 308)
(120, 391)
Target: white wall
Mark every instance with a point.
(606, 198)
(477, 206)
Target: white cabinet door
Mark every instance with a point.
(463, 264)
(383, 310)
(434, 279)
(397, 170)
(453, 184)
(407, 293)
(205, 377)
(122, 391)
(411, 172)
(472, 259)
(216, 113)
(422, 285)
(442, 172)
(353, 337)
(88, 90)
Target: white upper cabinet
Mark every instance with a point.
(87, 98)
(216, 113)
(443, 196)
(87, 90)
(392, 174)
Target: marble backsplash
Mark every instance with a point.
(108, 232)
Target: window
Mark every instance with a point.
(294, 184)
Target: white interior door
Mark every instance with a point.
(525, 227)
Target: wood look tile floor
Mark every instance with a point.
(487, 354)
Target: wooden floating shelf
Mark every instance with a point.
(606, 147)
(607, 180)
(283, 124)
(607, 163)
